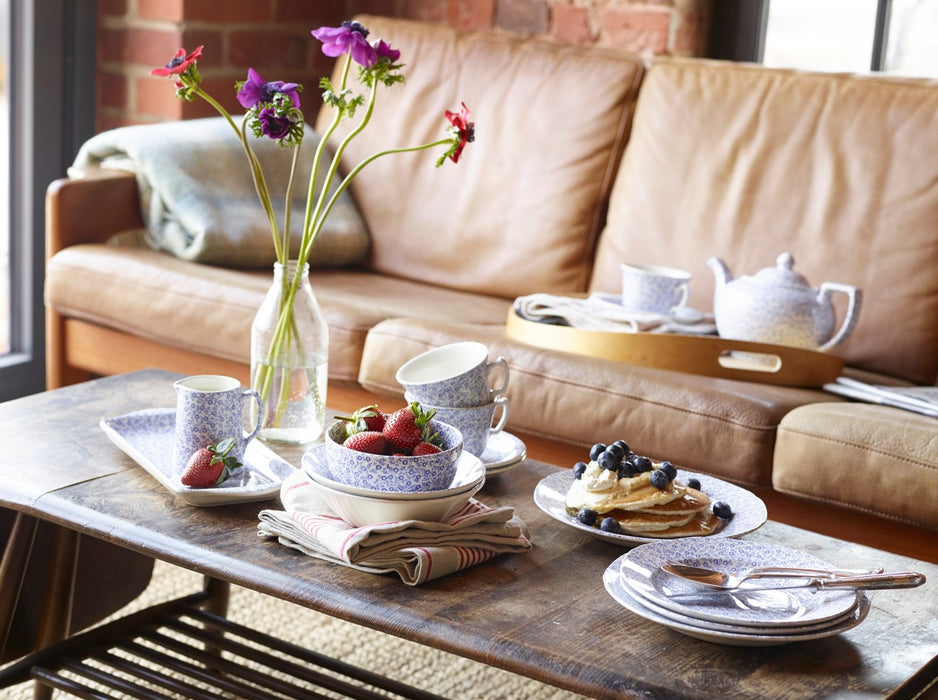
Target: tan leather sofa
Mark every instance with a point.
(584, 158)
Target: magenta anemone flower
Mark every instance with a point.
(179, 64)
(384, 50)
(466, 129)
(255, 90)
(348, 38)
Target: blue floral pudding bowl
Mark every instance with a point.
(398, 474)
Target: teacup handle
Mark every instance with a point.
(503, 403)
(260, 413)
(502, 363)
(684, 288)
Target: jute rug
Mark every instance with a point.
(408, 662)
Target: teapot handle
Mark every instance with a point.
(854, 298)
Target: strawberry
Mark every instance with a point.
(407, 427)
(210, 466)
(425, 448)
(365, 418)
(370, 441)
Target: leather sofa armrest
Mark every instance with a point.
(90, 209)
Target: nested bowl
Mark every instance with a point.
(394, 473)
(370, 510)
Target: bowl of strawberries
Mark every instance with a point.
(406, 451)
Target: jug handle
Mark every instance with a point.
(854, 298)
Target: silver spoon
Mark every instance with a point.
(721, 580)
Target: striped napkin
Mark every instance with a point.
(417, 551)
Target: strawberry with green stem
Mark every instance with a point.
(210, 466)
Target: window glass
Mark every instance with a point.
(4, 169)
(912, 47)
(827, 35)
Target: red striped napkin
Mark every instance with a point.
(417, 551)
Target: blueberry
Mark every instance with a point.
(616, 450)
(627, 470)
(722, 510)
(578, 469)
(626, 451)
(587, 516)
(642, 463)
(608, 460)
(693, 484)
(668, 469)
(658, 479)
(597, 450)
(610, 525)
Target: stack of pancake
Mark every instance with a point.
(640, 508)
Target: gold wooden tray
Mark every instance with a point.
(707, 355)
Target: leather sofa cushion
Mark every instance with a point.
(874, 459)
(210, 309)
(743, 162)
(521, 211)
(717, 426)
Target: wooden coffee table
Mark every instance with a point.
(543, 614)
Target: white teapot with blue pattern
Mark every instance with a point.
(777, 305)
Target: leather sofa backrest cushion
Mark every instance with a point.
(522, 209)
(743, 162)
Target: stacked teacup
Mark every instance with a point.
(463, 387)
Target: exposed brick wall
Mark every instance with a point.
(272, 36)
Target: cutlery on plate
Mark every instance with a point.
(902, 579)
(722, 580)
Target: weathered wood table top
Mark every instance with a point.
(543, 614)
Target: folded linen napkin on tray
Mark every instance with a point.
(417, 551)
(600, 312)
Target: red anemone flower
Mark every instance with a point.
(466, 129)
(179, 64)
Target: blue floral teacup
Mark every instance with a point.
(654, 289)
(455, 375)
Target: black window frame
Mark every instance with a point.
(51, 69)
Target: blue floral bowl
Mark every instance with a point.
(396, 474)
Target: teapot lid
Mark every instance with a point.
(782, 274)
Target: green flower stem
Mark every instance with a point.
(260, 183)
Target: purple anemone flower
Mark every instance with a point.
(384, 50)
(349, 38)
(272, 126)
(255, 90)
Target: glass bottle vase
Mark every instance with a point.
(290, 359)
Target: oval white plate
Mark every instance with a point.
(642, 575)
(755, 638)
(750, 514)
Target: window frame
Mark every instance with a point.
(51, 68)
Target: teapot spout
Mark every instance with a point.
(720, 271)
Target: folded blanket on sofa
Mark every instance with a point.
(198, 199)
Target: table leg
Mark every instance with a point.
(13, 571)
(57, 600)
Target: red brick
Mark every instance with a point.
(471, 14)
(165, 10)
(112, 8)
(269, 50)
(312, 15)
(229, 11)
(112, 90)
(692, 27)
(147, 47)
(523, 16)
(571, 25)
(642, 30)
(156, 99)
